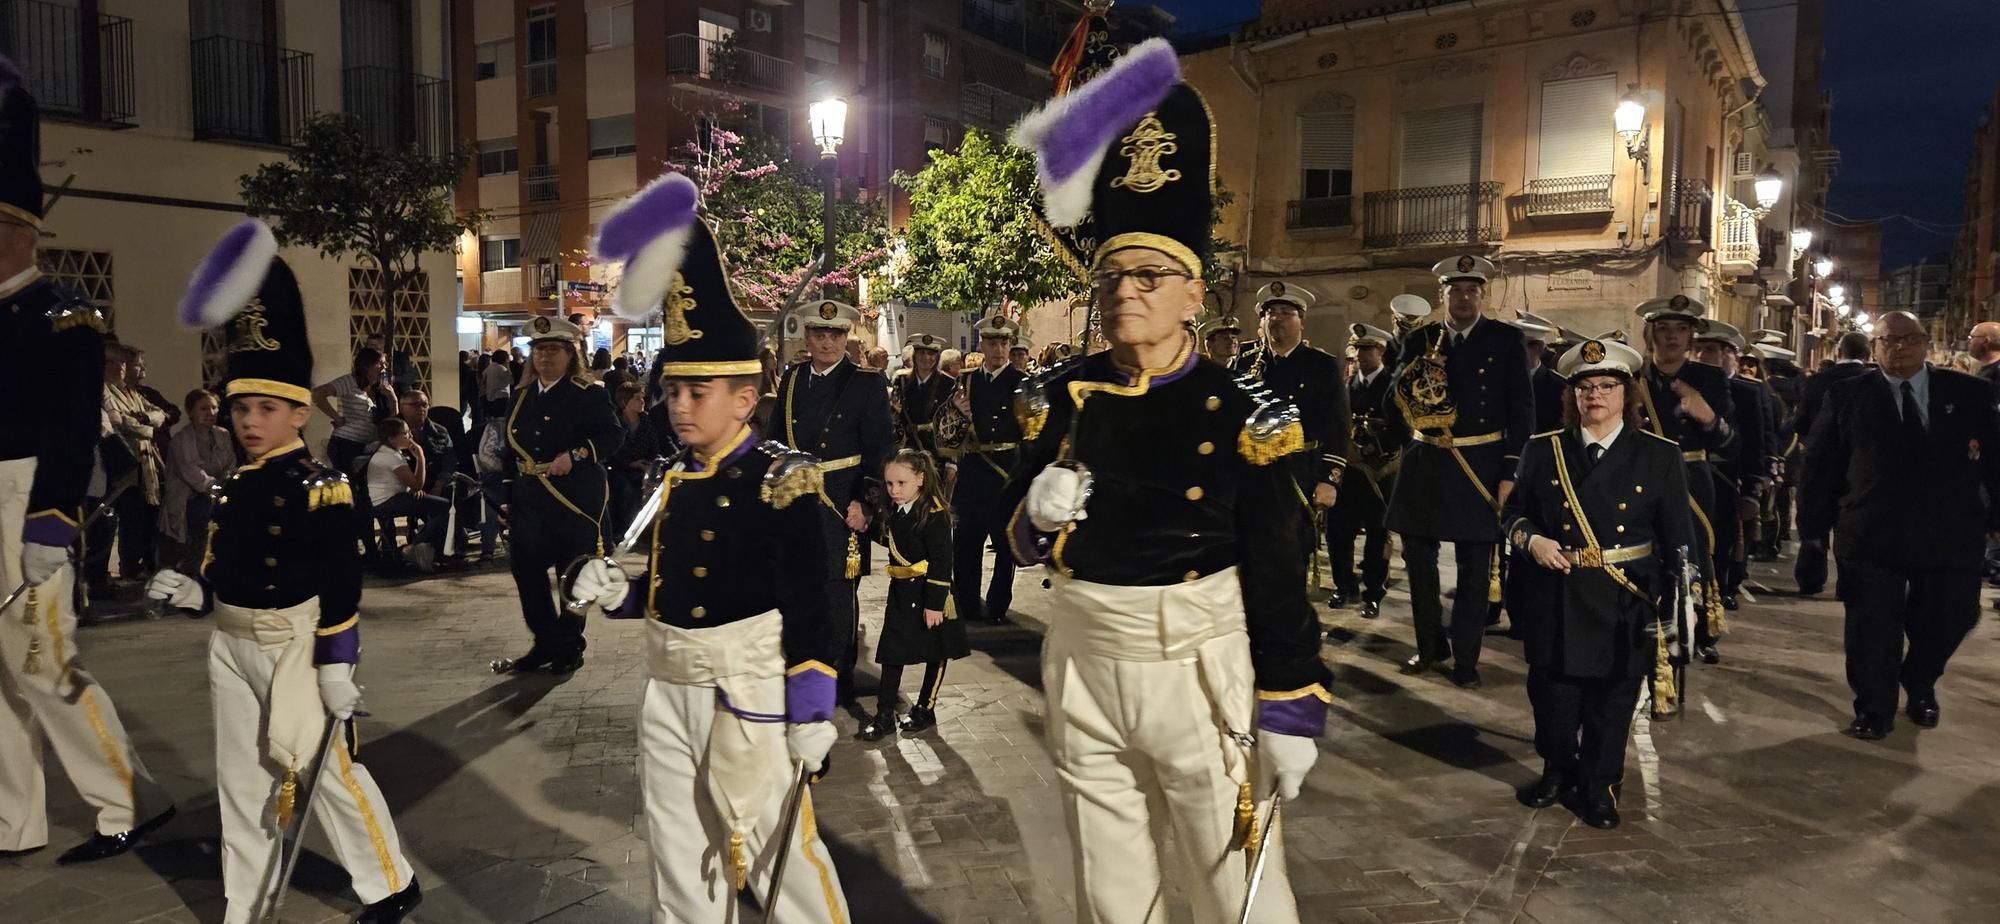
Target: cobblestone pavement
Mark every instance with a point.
(518, 802)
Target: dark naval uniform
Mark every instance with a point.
(920, 402)
(992, 448)
(1810, 569)
(555, 519)
(1362, 506)
(1740, 478)
(1313, 381)
(1548, 389)
(1448, 489)
(282, 533)
(919, 565)
(1706, 450)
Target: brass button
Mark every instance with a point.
(270, 587)
(278, 501)
(722, 501)
(1621, 528)
(698, 612)
(1213, 403)
(1191, 576)
(708, 535)
(700, 571)
(1638, 489)
(1194, 493)
(1205, 448)
(270, 563)
(1621, 505)
(1565, 527)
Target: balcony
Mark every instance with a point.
(80, 71)
(1689, 213)
(1327, 212)
(1570, 195)
(249, 91)
(539, 78)
(1461, 213)
(991, 106)
(398, 108)
(1037, 41)
(726, 62)
(544, 182)
(1736, 252)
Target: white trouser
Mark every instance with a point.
(694, 755)
(347, 806)
(47, 692)
(1144, 686)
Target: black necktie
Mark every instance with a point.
(1913, 420)
(1594, 452)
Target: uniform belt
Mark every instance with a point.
(912, 570)
(1448, 440)
(1588, 558)
(834, 465)
(992, 447)
(1698, 455)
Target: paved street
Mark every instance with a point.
(518, 801)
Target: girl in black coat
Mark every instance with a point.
(919, 626)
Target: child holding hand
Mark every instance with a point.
(919, 625)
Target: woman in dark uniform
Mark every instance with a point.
(1601, 506)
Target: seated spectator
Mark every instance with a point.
(490, 461)
(440, 454)
(396, 479)
(199, 456)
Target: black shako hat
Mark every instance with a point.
(705, 334)
(244, 284)
(20, 149)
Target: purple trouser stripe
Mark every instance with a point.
(1304, 716)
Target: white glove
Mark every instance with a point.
(1052, 498)
(337, 690)
(40, 562)
(809, 743)
(1289, 758)
(602, 582)
(175, 589)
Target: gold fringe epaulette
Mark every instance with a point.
(787, 483)
(329, 492)
(1273, 445)
(77, 317)
(1244, 837)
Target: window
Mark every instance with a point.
(613, 136)
(1441, 146)
(934, 55)
(822, 56)
(498, 253)
(493, 59)
(937, 134)
(1576, 127)
(1326, 154)
(609, 27)
(541, 65)
(499, 156)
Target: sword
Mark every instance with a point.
(655, 486)
(795, 803)
(451, 524)
(1257, 868)
(289, 859)
(124, 481)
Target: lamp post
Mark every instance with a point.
(1767, 188)
(1630, 122)
(829, 126)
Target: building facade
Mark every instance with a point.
(1975, 256)
(153, 110)
(1362, 146)
(1922, 288)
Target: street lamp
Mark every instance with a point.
(1630, 122)
(1841, 308)
(1861, 317)
(1801, 240)
(1768, 187)
(1823, 267)
(1837, 292)
(829, 124)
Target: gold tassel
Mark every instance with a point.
(1290, 439)
(1717, 625)
(28, 609)
(34, 663)
(1493, 577)
(1666, 697)
(286, 791)
(853, 557)
(1244, 837)
(737, 864)
(1031, 422)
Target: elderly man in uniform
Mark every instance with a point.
(1376, 447)
(1155, 486)
(554, 488)
(57, 341)
(992, 446)
(1311, 380)
(1741, 481)
(840, 414)
(1463, 389)
(1688, 402)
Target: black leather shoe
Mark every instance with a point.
(1371, 609)
(568, 664)
(1707, 654)
(1417, 664)
(1546, 791)
(1600, 809)
(877, 728)
(534, 660)
(1336, 600)
(1466, 678)
(1924, 711)
(392, 909)
(1868, 729)
(918, 720)
(105, 846)
(1729, 602)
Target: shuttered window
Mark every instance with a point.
(1576, 127)
(1441, 146)
(1326, 154)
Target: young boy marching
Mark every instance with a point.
(739, 698)
(918, 626)
(282, 575)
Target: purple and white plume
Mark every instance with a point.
(649, 233)
(1071, 134)
(230, 275)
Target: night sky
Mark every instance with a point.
(1909, 81)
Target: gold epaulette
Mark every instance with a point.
(1271, 446)
(328, 489)
(792, 475)
(77, 317)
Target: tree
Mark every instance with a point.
(339, 194)
(973, 238)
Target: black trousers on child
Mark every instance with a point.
(892, 678)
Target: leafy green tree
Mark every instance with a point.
(972, 238)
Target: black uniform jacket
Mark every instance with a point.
(920, 402)
(1757, 434)
(1548, 388)
(734, 541)
(920, 564)
(568, 416)
(1364, 492)
(1315, 382)
(1894, 502)
(282, 533)
(995, 442)
(1180, 491)
(1704, 448)
(1488, 378)
(1590, 623)
(840, 415)
(55, 380)
(1812, 393)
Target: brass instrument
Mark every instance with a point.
(950, 426)
(1371, 444)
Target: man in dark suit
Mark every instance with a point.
(1740, 480)
(1688, 402)
(1376, 447)
(1312, 380)
(840, 413)
(1898, 461)
(1463, 389)
(1852, 352)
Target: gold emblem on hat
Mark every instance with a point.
(1678, 302)
(1465, 264)
(1277, 288)
(249, 330)
(541, 325)
(1149, 142)
(828, 311)
(676, 329)
(1593, 352)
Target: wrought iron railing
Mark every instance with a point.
(1690, 215)
(539, 77)
(249, 91)
(544, 182)
(79, 67)
(726, 62)
(1036, 40)
(1461, 213)
(1739, 234)
(992, 106)
(1325, 212)
(1570, 195)
(398, 108)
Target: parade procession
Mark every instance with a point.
(1218, 462)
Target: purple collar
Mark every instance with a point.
(736, 451)
(1188, 361)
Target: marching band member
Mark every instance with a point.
(993, 443)
(922, 393)
(1181, 632)
(739, 643)
(282, 575)
(1363, 508)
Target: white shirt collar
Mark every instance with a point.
(20, 279)
(1609, 438)
(905, 507)
(1368, 378)
(829, 369)
(1451, 331)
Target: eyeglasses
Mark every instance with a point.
(1144, 278)
(1904, 340)
(1599, 388)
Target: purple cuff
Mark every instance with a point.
(343, 647)
(809, 693)
(48, 527)
(1299, 712)
(634, 605)
(1026, 539)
